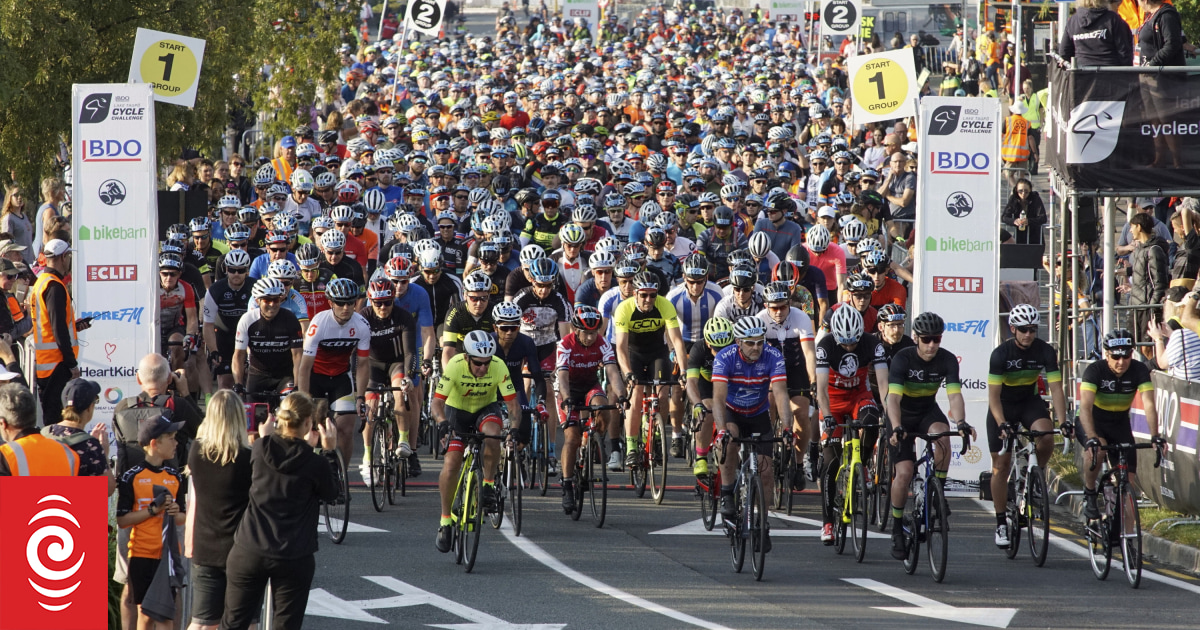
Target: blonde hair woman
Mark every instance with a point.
(219, 462)
(54, 193)
(14, 221)
(277, 538)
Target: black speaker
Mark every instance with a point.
(1088, 220)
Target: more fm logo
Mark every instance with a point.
(112, 150)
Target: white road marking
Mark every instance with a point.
(696, 528)
(355, 528)
(537, 553)
(925, 607)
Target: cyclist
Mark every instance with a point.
(204, 251)
(333, 341)
(914, 377)
(571, 260)
(790, 331)
(695, 300)
(444, 289)
(744, 298)
(718, 333)
(224, 305)
(545, 316)
(844, 357)
(489, 264)
(468, 400)
(333, 245)
(640, 322)
(276, 244)
(393, 359)
(313, 279)
(601, 265)
(1106, 394)
(624, 271)
(285, 271)
(860, 289)
(1013, 400)
(581, 356)
(268, 346)
(890, 320)
(519, 353)
(743, 376)
(473, 313)
(177, 311)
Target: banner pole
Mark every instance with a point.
(1016, 87)
(382, 15)
(396, 81)
(1110, 264)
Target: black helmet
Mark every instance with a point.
(723, 215)
(929, 323)
(798, 254)
(743, 276)
(1119, 342)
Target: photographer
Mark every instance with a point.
(1176, 349)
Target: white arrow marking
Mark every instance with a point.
(355, 528)
(696, 528)
(322, 603)
(925, 607)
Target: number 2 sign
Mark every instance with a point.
(170, 63)
(426, 15)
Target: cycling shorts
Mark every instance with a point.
(262, 383)
(759, 424)
(385, 374)
(337, 390)
(1024, 412)
(646, 368)
(547, 355)
(705, 387)
(797, 382)
(1113, 433)
(466, 422)
(856, 406)
(578, 395)
(906, 452)
(225, 349)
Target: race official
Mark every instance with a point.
(56, 341)
(26, 452)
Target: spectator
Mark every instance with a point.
(1160, 42)
(1026, 213)
(899, 188)
(277, 537)
(1186, 264)
(1017, 147)
(1141, 205)
(54, 196)
(972, 71)
(219, 466)
(13, 318)
(27, 453)
(1147, 271)
(16, 223)
(1097, 36)
(79, 400)
(182, 176)
(56, 340)
(1176, 348)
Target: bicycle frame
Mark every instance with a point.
(851, 455)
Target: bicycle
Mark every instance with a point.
(388, 470)
(927, 520)
(880, 504)
(850, 492)
(589, 461)
(427, 428)
(509, 481)
(1115, 490)
(750, 523)
(467, 511)
(784, 457)
(708, 487)
(653, 444)
(336, 524)
(1028, 499)
(541, 443)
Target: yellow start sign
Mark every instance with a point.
(883, 86)
(169, 63)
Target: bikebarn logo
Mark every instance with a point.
(95, 108)
(959, 204)
(1095, 127)
(957, 245)
(112, 192)
(944, 120)
(110, 233)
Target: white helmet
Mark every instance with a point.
(302, 180)
(1024, 315)
(237, 258)
(283, 270)
(846, 325)
(817, 238)
(749, 327)
(530, 253)
(374, 200)
(854, 231)
(760, 244)
(479, 344)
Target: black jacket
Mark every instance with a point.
(289, 481)
(1097, 37)
(1035, 213)
(1160, 40)
(1148, 272)
(221, 494)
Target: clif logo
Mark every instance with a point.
(110, 273)
(54, 550)
(957, 284)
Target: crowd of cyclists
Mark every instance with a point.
(681, 210)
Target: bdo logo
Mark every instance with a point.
(959, 163)
(112, 150)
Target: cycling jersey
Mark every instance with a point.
(314, 292)
(731, 310)
(443, 294)
(700, 363)
(334, 345)
(694, 313)
(870, 316)
(294, 302)
(1114, 394)
(890, 350)
(788, 336)
(225, 305)
(345, 268)
(848, 369)
(831, 262)
(387, 335)
(258, 268)
(463, 391)
(645, 329)
(583, 363)
(571, 273)
(454, 257)
(1016, 370)
(254, 252)
(540, 318)
(460, 321)
(541, 230)
(607, 306)
(498, 278)
(917, 381)
(669, 267)
(269, 343)
(173, 304)
(206, 262)
(587, 293)
(717, 251)
(749, 383)
(521, 355)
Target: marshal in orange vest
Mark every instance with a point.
(38, 456)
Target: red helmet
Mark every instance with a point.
(348, 191)
(381, 289)
(586, 318)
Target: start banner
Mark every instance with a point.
(957, 256)
(114, 275)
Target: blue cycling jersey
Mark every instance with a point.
(522, 354)
(749, 383)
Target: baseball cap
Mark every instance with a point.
(9, 246)
(155, 426)
(827, 211)
(79, 393)
(288, 142)
(56, 247)
(7, 266)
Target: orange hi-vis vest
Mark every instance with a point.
(36, 455)
(283, 170)
(47, 354)
(1015, 147)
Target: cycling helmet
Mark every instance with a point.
(846, 325)
(602, 260)
(586, 318)
(237, 232)
(348, 191)
(723, 216)
(229, 201)
(333, 240)
(398, 268)
(731, 191)
(341, 214)
(248, 214)
(588, 186)
(778, 291)
(743, 277)
(268, 287)
(286, 222)
(278, 236)
(239, 258)
(759, 245)
(633, 189)
(477, 281)
(1023, 315)
(322, 222)
(718, 332)
(308, 255)
(341, 290)
(859, 283)
(645, 281)
(929, 323)
(506, 313)
(614, 201)
(503, 239)
(170, 260)
(479, 344)
(739, 257)
(854, 231)
(282, 269)
(655, 237)
(626, 268)
(278, 190)
(868, 244)
(890, 312)
(302, 180)
(872, 259)
(636, 252)
(799, 255)
(666, 221)
(199, 224)
(1119, 342)
(380, 289)
(609, 244)
(489, 252)
(656, 163)
(264, 176)
(785, 272)
(695, 266)
(530, 253)
(818, 238)
(269, 208)
(374, 200)
(584, 214)
(709, 197)
(749, 327)
(543, 270)
(326, 180)
(572, 234)
(429, 257)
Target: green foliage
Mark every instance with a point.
(45, 47)
(1189, 13)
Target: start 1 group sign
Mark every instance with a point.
(169, 63)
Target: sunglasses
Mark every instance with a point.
(478, 363)
(753, 344)
(229, 214)
(507, 329)
(271, 300)
(445, 227)
(342, 303)
(168, 274)
(742, 289)
(1027, 329)
(334, 252)
(236, 270)
(382, 303)
(543, 285)
(931, 339)
(463, 197)
(277, 250)
(477, 298)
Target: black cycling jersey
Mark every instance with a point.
(848, 369)
(390, 335)
(542, 231)
(269, 343)
(224, 305)
(1016, 369)
(1114, 394)
(499, 279)
(345, 268)
(890, 350)
(460, 321)
(443, 294)
(454, 257)
(192, 275)
(540, 318)
(917, 381)
(700, 362)
(314, 292)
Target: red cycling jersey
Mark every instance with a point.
(333, 344)
(583, 363)
(173, 303)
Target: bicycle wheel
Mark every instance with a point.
(340, 508)
(582, 457)
(459, 514)
(738, 533)
(1013, 515)
(638, 473)
(501, 484)
(473, 519)
(938, 537)
(402, 475)
(1037, 508)
(1099, 551)
(660, 452)
(543, 458)
(913, 522)
(757, 504)
(708, 489)
(839, 502)
(514, 482)
(882, 491)
(783, 483)
(377, 478)
(393, 468)
(858, 512)
(597, 481)
(1131, 536)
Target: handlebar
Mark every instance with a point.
(1025, 433)
(1119, 447)
(753, 439)
(965, 434)
(379, 389)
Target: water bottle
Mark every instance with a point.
(1022, 218)
(919, 491)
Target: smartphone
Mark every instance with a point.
(83, 324)
(256, 414)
